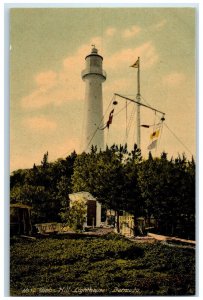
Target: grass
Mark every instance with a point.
(108, 265)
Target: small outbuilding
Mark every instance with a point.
(20, 220)
(93, 208)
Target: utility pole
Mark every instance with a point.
(138, 98)
(139, 103)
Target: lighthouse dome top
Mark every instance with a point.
(94, 50)
(94, 53)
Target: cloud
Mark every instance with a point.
(46, 79)
(110, 31)
(119, 84)
(41, 124)
(55, 150)
(158, 26)
(131, 32)
(56, 88)
(126, 57)
(174, 79)
(65, 148)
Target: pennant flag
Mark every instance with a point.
(155, 134)
(152, 145)
(110, 119)
(136, 64)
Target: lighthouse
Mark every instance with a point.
(94, 76)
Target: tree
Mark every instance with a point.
(75, 216)
(168, 192)
(44, 187)
(109, 175)
(120, 180)
(100, 174)
(134, 201)
(44, 162)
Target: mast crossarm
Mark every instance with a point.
(154, 109)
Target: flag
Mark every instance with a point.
(155, 134)
(110, 119)
(136, 64)
(152, 145)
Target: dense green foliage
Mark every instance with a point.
(120, 179)
(109, 175)
(75, 216)
(108, 265)
(160, 187)
(45, 188)
(168, 191)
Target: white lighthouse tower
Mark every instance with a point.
(93, 75)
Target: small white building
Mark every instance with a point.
(93, 211)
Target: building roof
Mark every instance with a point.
(81, 196)
(20, 205)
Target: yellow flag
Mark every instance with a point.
(136, 64)
(155, 134)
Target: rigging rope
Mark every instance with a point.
(178, 139)
(145, 100)
(161, 129)
(121, 110)
(129, 124)
(94, 133)
(126, 119)
(154, 128)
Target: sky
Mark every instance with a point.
(47, 54)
